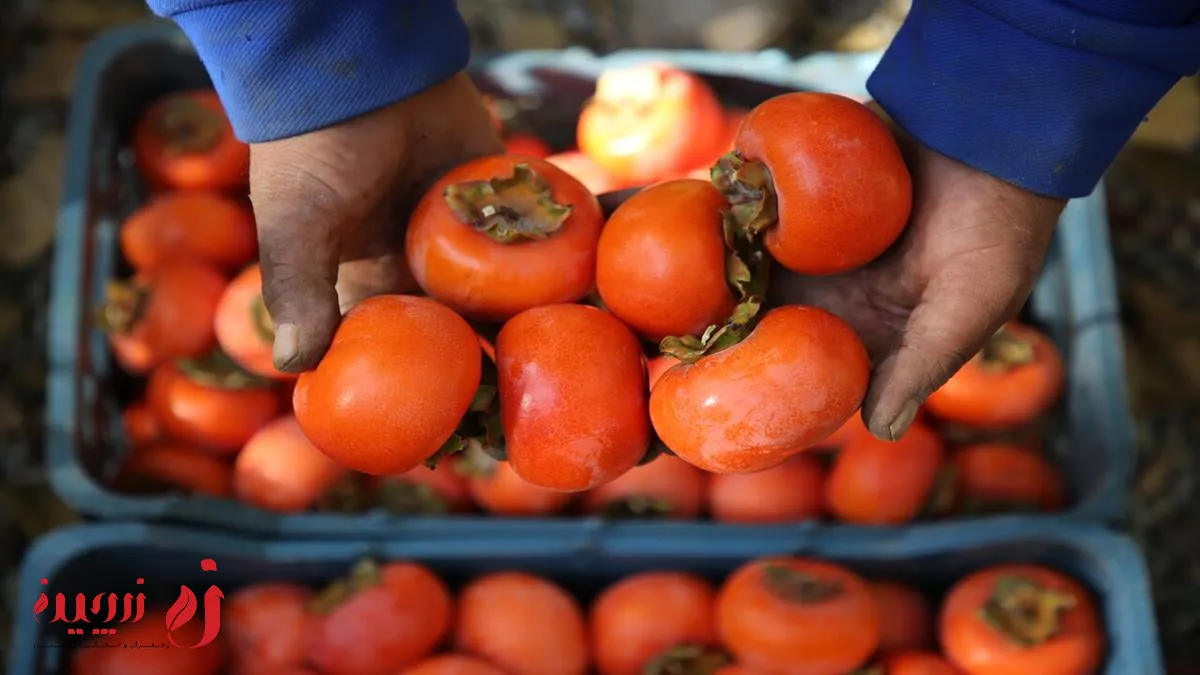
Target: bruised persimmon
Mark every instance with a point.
(163, 314)
(499, 235)
(820, 178)
(650, 121)
(210, 402)
(798, 375)
(665, 487)
(397, 380)
(572, 387)
(661, 261)
(797, 616)
(141, 426)
(174, 465)
(498, 490)
(996, 477)
(653, 622)
(424, 490)
(244, 328)
(453, 664)
(915, 663)
(658, 365)
(266, 627)
(905, 617)
(205, 227)
(528, 145)
(184, 141)
(378, 620)
(585, 170)
(523, 623)
(790, 492)
(151, 629)
(1013, 380)
(279, 469)
(1019, 619)
(876, 482)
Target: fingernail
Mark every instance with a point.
(903, 420)
(287, 345)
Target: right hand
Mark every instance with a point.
(332, 206)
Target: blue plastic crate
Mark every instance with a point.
(127, 67)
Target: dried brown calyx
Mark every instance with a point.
(718, 337)
(188, 127)
(365, 574)
(481, 423)
(688, 660)
(216, 369)
(518, 208)
(261, 319)
(1025, 612)
(747, 186)
(1005, 351)
(637, 507)
(797, 586)
(124, 304)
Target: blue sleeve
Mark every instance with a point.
(285, 67)
(1040, 93)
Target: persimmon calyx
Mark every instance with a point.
(124, 304)
(688, 660)
(1005, 351)
(188, 127)
(797, 586)
(520, 207)
(747, 186)
(348, 495)
(216, 369)
(1025, 612)
(403, 498)
(657, 449)
(718, 337)
(638, 507)
(943, 494)
(475, 461)
(260, 319)
(365, 574)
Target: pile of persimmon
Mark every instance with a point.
(770, 616)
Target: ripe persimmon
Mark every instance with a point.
(279, 469)
(523, 623)
(453, 664)
(151, 629)
(1013, 380)
(244, 328)
(174, 465)
(528, 145)
(424, 490)
(585, 170)
(184, 142)
(905, 617)
(141, 426)
(397, 380)
(380, 619)
(205, 227)
(917, 663)
(790, 492)
(665, 487)
(1019, 619)
(658, 365)
(210, 402)
(853, 428)
(997, 477)
(661, 261)
(161, 315)
(499, 235)
(266, 627)
(650, 121)
(875, 482)
(639, 624)
(797, 616)
(572, 387)
(820, 178)
(790, 383)
(497, 489)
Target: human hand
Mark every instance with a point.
(332, 205)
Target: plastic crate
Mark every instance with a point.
(107, 558)
(125, 68)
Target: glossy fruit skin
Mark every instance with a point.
(191, 469)
(265, 625)
(658, 365)
(670, 482)
(844, 192)
(572, 388)
(503, 493)
(225, 166)
(585, 170)
(453, 664)
(793, 381)
(918, 663)
(141, 427)
(280, 470)
(660, 265)
(985, 400)
(527, 144)
(394, 385)
(645, 614)
(151, 629)
(237, 329)
(483, 279)
(975, 647)
(222, 420)
(770, 633)
(905, 617)
(205, 227)
(524, 624)
(874, 482)
(1000, 474)
(790, 492)
(676, 129)
(383, 628)
(445, 483)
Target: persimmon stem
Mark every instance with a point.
(691, 348)
(188, 127)
(365, 574)
(797, 586)
(520, 207)
(216, 369)
(124, 304)
(1005, 351)
(688, 660)
(1024, 612)
(261, 319)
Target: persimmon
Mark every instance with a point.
(820, 178)
(210, 402)
(1013, 380)
(141, 427)
(797, 616)
(665, 487)
(244, 328)
(905, 617)
(382, 618)
(996, 477)
(639, 624)
(499, 235)
(572, 388)
(733, 122)
(401, 373)
(790, 492)
(423, 490)
(661, 261)
(453, 664)
(1018, 619)
(279, 469)
(737, 669)
(161, 315)
(266, 626)
(914, 663)
(853, 428)
(497, 489)
(650, 121)
(205, 227)
(528, 145)
(585, 170)
(876, 482)
(796, 378)
(170, 464)
(151, 630)
(658, 365)
(523, 623)
(184, 142)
